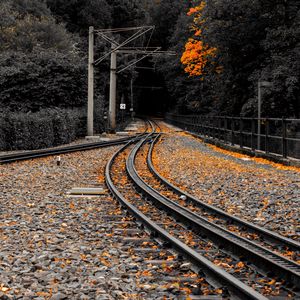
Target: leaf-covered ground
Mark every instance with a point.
(54, 247)
(51, 245)
(261, 192)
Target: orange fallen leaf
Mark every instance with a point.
(240, 265)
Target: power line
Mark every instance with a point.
(140, 31)
(116, 30)
(145, 68)
(148, 87)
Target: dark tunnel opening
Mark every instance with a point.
(150, 94)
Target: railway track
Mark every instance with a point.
(183, 246)
(239, 267)
(279, 243)
(69, 246)
(156, 272)
(10, 158)
(260, 236)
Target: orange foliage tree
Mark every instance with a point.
(197, 54)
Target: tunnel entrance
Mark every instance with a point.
(150, 94)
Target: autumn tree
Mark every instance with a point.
(197, 54)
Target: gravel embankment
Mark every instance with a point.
(260, 193)
(54, 247)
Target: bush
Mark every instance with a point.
(47, 128)
(65, 124)
(19, 134)
(38, 80)
(3, 128)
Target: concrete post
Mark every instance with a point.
(259, 115)
(261, 84)
(113, 91)
(90, 114)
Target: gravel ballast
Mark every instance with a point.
(45, 236)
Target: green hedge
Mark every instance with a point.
(47, 128)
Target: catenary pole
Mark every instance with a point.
(90, 113)
(113, 91)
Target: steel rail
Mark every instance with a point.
(263, 258)
(5, 159)
(238, 289)
(10, 158)
(267, 234)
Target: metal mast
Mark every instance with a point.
(116, 47)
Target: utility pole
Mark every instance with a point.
(116, 47)
(90, 113)
(113, 91)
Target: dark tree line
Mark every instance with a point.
(255, 40)
(43, 53)
(43, 49)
